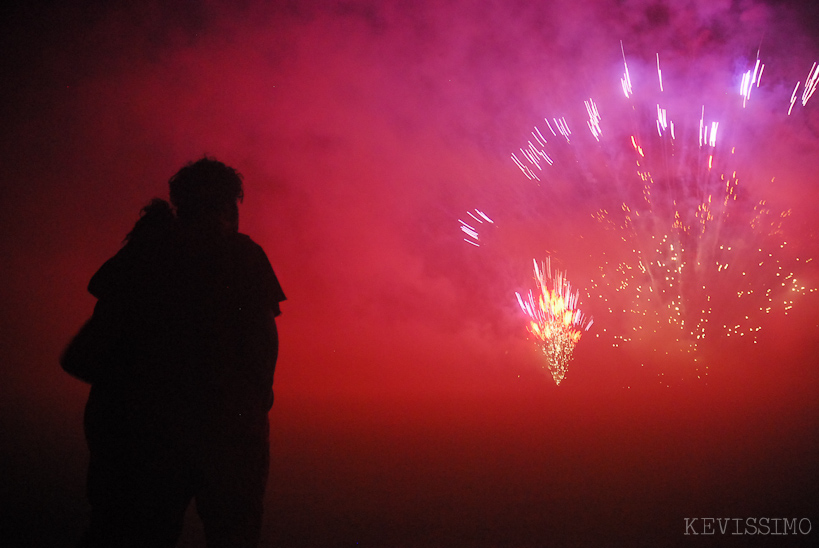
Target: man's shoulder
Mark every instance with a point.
(244, 239)
(247, 245)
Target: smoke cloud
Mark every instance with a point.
(364, 131)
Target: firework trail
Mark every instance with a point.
(555, 320)
(477, 218)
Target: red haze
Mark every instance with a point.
(411, 410)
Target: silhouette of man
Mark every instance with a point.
(179, 409)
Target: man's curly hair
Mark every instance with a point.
(204, 188)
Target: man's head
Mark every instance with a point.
(207, 192)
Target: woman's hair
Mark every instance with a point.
(156, 220)
(204, 189)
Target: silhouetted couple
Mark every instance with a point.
(180, 354)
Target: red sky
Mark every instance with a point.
(411, 407)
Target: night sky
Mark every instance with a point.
(413, 408)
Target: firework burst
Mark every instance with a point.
(683, 250)
(554, 318)
(693, 253)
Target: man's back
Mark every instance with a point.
(198, 335)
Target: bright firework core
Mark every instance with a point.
(555, 320)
